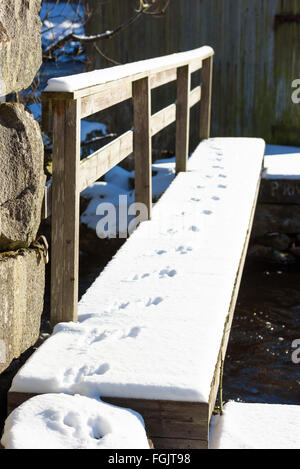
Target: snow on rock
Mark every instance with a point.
(256, 426)
(151, 324)
(59, 421)
(97, 77)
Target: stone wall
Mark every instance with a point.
(276, 228)
(22, 180)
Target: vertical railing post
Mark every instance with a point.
(142, 146)
(65, 210)
(183, 117)
(206, 94)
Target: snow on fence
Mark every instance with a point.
(68, 100)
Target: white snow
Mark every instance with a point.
(151, 324)
(282, 162)
(256, 426)
(116, 186)
(58, 421)
(97, 77)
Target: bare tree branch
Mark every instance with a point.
(144, 8)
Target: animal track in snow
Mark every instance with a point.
(154, 302)
(216, 198)
(184, 250)
(167, 273)
(221, 186)
(193, 199)
(222, 176)
(161, 252)
(194, 228)
(207, 212)
(134, 332)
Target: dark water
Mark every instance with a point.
(258, 365)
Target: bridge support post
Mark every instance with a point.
(206, 94)
(142, 145)
(65, 210)
(183, 117)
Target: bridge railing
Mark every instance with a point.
(66, 102)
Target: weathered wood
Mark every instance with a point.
(163, 118)
(205, 108)
(195, 96)
(65, 211)
(100, 162)
(142, 146)
(229, 319)
(105, 99)
(179, 443)
(183, 118)
(162, 78)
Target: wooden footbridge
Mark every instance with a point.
(152, 331)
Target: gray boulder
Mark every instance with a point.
(20, 44)
(22, 177)
(22, 285)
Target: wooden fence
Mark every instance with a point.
(71, 176)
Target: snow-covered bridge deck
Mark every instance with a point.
(154, 326)
(153, 329)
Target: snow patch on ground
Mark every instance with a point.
(256, 426)
(59, 421)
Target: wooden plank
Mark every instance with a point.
(65, 211)
(183, 118)
(142, 145)
(195, 96)
(163, 118)
(162, 78)
(205, 109)
(228, 323)
(105, 99)
(178, 443)
(100, 162)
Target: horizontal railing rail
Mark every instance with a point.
(66, 101)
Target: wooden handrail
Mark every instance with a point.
(66, 101)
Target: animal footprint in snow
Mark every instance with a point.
(207, 212)
(184, 250)
(193, 199)
(154, 302)
(194, 228)
(134, 332)
(222, 176)
(216, 198)
(161, 252)
(221, 186)
(101, 370)
(167, 273)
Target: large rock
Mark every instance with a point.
(22, 283)
(20, 44)
(22, 177)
